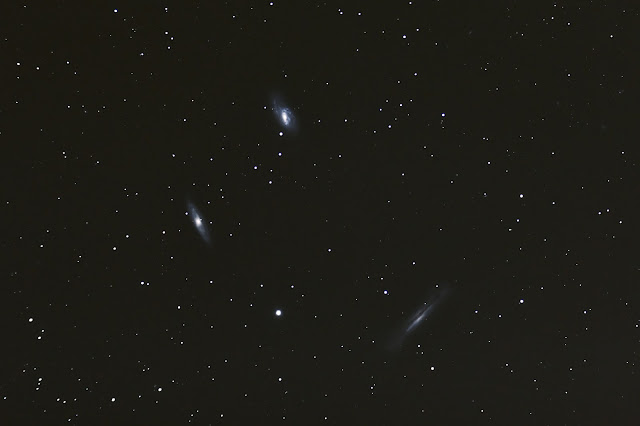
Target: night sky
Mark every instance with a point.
(313, 213)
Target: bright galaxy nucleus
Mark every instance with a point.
(283, 114)
(199, 222)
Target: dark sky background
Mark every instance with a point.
(445, 231)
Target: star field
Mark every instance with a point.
(316, 213)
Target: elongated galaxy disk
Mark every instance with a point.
(198, 222)
(284, 115)
(436, 296)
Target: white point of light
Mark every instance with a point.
(278, 312)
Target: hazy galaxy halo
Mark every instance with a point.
(435, 298)
(198, 222)
(283, 114)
